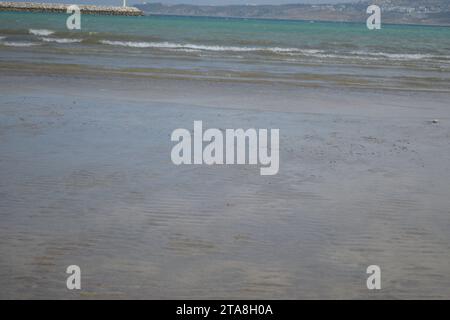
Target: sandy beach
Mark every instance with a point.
(86, 178)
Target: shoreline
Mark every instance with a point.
(62, 8)
(352, 101)
(49, 69)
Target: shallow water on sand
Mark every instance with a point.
(86, 179)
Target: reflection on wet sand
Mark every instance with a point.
(86, 178)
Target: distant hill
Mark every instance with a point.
(429, 12)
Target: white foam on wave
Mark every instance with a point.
(19, 44)
(188, 50)
(41, 32)
(370, 56)
(199, 47)
(61, 40)
(315, 53)
(130, 44)
(394, 56)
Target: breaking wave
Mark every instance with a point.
(19, 44)
(315, 53)
(61, 40)
(41, 32)
(395, 56)
(199, 47)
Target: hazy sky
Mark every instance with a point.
(203, 2)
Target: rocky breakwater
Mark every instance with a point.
(62, 8)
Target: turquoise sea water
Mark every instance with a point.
(294, 48)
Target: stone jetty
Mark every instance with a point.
(62, 8)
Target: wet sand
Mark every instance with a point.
(86, 179)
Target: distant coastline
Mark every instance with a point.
(62, 8)
(292, 20)
(404, 12)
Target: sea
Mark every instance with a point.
(309, 53)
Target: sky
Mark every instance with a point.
(202, 2)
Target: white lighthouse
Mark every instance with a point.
(125, 3)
